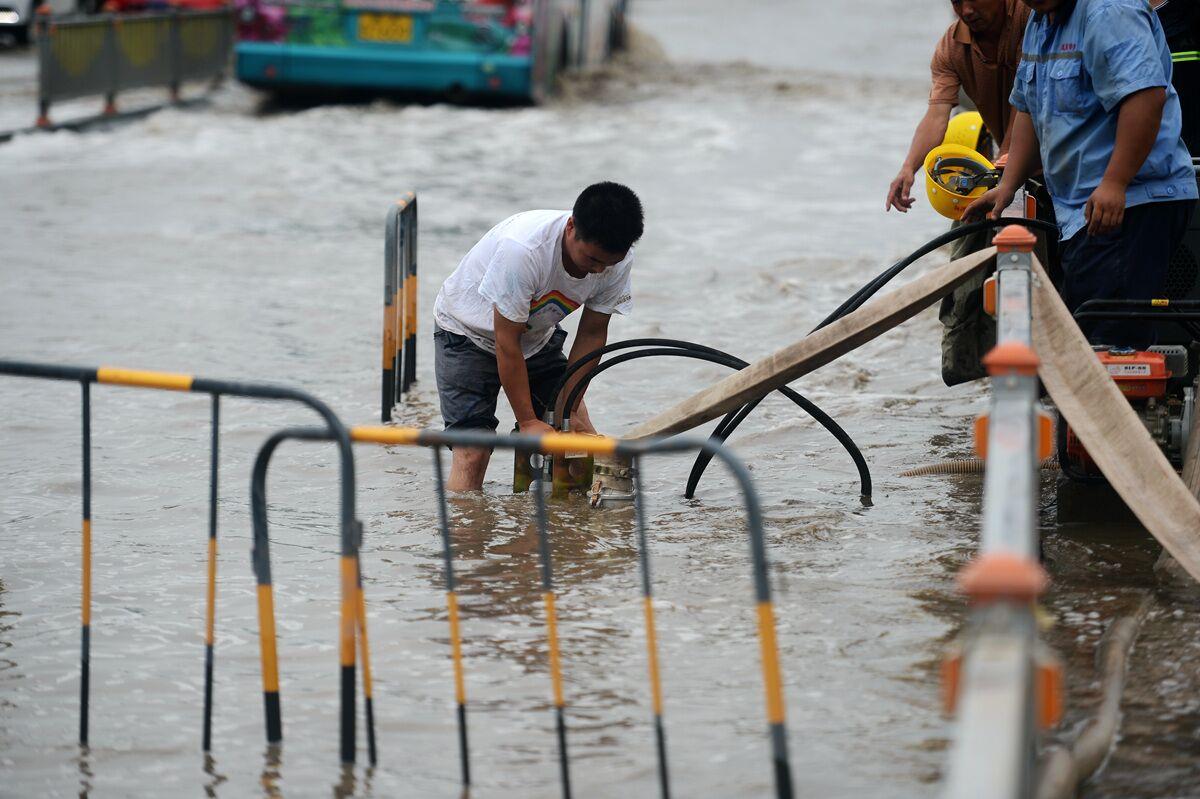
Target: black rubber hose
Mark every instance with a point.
(724, 359)
(640, 342)
(732, 419)
(731, 422)
(858, 298)
(622, 345)
(627, 344)
(719, 435)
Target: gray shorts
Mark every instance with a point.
(468, 379)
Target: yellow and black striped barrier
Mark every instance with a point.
(460, 689)
(353, 619)
(352, 628)
(549, 444)
(399, 303)
(350, 530)
(210, 594)
(656, 698)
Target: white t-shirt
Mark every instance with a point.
(518, 268)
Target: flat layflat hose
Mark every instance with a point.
(712, 356)
(856, 301)
(964, 466)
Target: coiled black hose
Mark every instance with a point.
(806, 405)
(686, 349)
(856, 301)
(734, 418)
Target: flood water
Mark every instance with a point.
(243, 241)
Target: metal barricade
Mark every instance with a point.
(352, 633)
(550, 444)
(1001, 680)
(350, 529)
(399, 303)
(111, 53)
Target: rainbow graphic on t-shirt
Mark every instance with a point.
(556, 298)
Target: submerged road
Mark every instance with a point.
(246, 241)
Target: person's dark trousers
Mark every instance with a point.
(468, 379)
(969, 332)
(1129, 263)
(1185, 77)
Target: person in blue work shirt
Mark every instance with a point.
(1097, 112)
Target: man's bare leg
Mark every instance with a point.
(467, 468)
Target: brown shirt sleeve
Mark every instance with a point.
(945, 79)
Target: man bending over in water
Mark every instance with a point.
(497, 315)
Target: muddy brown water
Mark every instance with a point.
(234, 242)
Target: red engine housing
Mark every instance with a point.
(1140, 375)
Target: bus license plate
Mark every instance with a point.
(385, 28)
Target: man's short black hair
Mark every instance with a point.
(609, 215)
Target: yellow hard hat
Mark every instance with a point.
(965, 129)
(954, 176)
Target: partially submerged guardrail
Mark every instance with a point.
(1001, 680)
(350, 529)
(352, 629)
(399, 303)
(555, 444)
(107, 54)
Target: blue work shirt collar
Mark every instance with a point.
(1062, 14)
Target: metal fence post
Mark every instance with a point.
(44, 29)
(210, 594)
(399, 303)
(85, 650)
(460, 690)
(389, 312)
(656, 697)
(410, 295)
(584, 33)
(176, 50)
(113, 65)
(228, 34)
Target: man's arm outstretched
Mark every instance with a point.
(929, 134)
(510, 362)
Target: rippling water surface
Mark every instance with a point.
(244, 241)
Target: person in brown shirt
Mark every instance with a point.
(979, 54)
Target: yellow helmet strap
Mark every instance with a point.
(963, 175)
